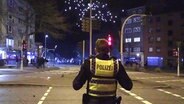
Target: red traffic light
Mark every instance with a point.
(109, 40)
(24, 45)
(175, 52)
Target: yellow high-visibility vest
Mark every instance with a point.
(103, 82)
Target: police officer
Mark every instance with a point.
(102, 72)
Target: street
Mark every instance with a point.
(54, 86)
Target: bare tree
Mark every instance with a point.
(48, 18)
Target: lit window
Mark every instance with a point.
(158, 39)
(9, 42)
(137, 19)
(137, 39)
(128, 40)
(137, 29)
(150, 49)
(2, 54)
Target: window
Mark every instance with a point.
(158, 39)
(137, 39)
(126, 49)
(137, 19)
(158, 30)
(150, 20)
(170, 23)
(150, 49)
(158, 19)
(9, 42)
(20, 9)
(129, 21)
(158, 49)
(170, 53)
(9, 30)
(170, 43)
(20, 31)
(128, 30)
(137, 29)
(170, 33)
(136, 49)
(140, 11)
(150, 30)
(151, 39)
(128, 40)
(10, 3)
(10, 18)
(20, 21)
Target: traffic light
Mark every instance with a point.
(109, 40)
(85, 25)
(24, 45)
(175, 52)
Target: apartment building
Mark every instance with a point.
(163, 35)
(152, 40)
(17, 23)
(133, 36)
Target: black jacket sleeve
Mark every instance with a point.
(123, 78)
(82, 76)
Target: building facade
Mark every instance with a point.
(154, 40)
(163, 34)
(17, 24)
(133, 37)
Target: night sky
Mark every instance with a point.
(67, 46)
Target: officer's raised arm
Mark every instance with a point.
(81, 78)
(123, 78)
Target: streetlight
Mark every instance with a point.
(178, 58)
(46, 36)
(55, 53)
(90, 29)
(121, 34)
(83, 50)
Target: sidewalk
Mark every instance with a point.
(25, 69)
(157, 71)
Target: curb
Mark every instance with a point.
(16, 84)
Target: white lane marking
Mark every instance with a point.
(44, 96)
(177, 80)
(154, 77)
(136, 96)
(170, 93)
(40, 102)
